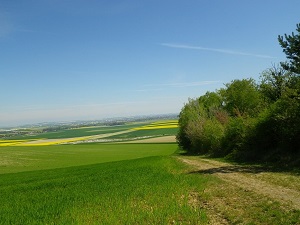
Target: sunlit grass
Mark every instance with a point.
(152, 190)
(18, 159)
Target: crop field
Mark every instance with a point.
(96, 183)
(125, 132)
(19, 159)
(82, 131)
(149, 190)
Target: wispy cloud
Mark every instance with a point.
(224, 51)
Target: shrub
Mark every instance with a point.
(213, 133)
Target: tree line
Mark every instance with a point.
(250, 120)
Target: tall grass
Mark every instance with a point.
(150, 190)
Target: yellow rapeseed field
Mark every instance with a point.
(40, 142)
(11, 142)
(45, 142)
(159, 125)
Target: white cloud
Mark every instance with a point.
(225, 51)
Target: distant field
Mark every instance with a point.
(84, 131)
(147, 133)
(119, 133)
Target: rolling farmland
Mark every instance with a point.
(134, 174)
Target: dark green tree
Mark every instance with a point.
(291, 47)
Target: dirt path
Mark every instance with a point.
(243, 186)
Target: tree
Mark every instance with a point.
(189, 116)
(274, 83)
(241, 98)
(201, 124)
(291, 47)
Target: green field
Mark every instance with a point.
(83, 131)
(146, 133)
(132, 183)
(115, 183)
(19, 159)
(149, 190)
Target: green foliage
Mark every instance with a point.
(241, 98)
(200, 124)
(212, 136)
(211, 103)
(235, 132)
(291, 47)
(248, 120)
(189, 116)
(274, 83)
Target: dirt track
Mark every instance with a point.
(258, 183)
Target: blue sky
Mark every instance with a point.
(63, 60)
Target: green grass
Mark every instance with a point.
(151, 190)
(97, 183)
(18, 159)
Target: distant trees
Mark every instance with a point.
(249, 120)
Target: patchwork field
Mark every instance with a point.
(127, 132)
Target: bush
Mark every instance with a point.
(237, 132)
(213, 133)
